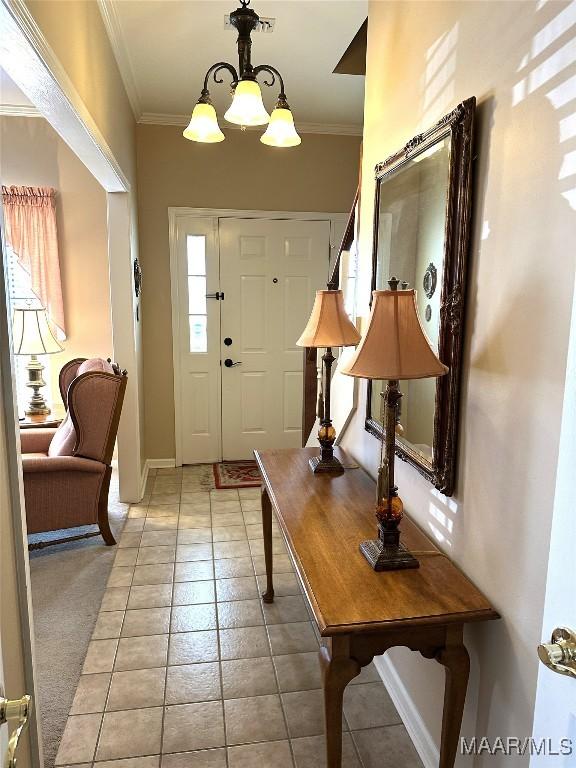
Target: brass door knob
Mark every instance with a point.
(559, 654)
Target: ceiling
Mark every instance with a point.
(164, 49)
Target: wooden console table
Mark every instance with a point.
(361, 613)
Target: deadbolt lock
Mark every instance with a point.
(18, 710)
(559, 654)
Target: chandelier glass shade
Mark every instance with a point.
(281, 131)
(247, 108)
(203, 125)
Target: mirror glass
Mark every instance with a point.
(412, 205)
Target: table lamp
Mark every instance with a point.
(393, 348)
(329, 326)
(31, 335)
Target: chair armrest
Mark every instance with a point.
(33, 464)
(36, 440)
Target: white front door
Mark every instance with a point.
(197, 339)
(264, 273)
(269, 272)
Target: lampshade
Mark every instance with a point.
(394, 345)
(281, 131)
(203, 125)
(329, 325)
(31, 333)
(247, 107)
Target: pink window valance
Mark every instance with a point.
(30, 216)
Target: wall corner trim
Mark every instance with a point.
(144, 479)
(420, 735)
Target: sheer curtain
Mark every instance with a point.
(30, 216)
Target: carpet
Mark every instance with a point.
(237, 474)
(68, 582)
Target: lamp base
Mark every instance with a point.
(383, 558)
(37, 405)
(321, 464)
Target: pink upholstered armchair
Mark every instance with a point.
(67, 470)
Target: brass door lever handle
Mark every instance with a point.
(559, 654)
(19, 710)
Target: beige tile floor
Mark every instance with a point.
(189, 669)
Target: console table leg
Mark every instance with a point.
(338, 668)
(267, 596)
(454, 657)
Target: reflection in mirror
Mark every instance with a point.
(412, 219)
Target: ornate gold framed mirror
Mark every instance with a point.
(421, 236)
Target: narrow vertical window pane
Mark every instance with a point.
(198, 336)
(196, 253)
(197, 295)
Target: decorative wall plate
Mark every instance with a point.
(137, 278)
(429, 281)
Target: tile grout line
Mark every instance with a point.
(275, 671)
(219, 646)
(97, 742)
(162, 725)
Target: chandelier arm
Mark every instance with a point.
(214, 70)
(275, 74)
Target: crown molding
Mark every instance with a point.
(120, 50)
(19, 110)
(156, 118)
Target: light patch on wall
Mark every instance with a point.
(543, 73)
(560, 95)
(563, 93)
(568, 127)
(568, 167)
(554, 29)
(441, 511)
(570, 196)
(485, 230)
(438, 85)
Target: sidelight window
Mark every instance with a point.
(197, 311)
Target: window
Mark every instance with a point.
(20, 294)
(197, 311)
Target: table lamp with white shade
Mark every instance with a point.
(32, 335)
(393, 348)
(328, 326)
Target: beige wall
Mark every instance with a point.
(33, 154)
(75, 31)
(239, 173)
(521, 277)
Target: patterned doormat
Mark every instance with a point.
(237, 474)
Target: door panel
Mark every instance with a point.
(270, 270)
(197, 361)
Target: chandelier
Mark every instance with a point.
(247, 107)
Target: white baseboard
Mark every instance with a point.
(417, 730)
(153, 464)
(160, 463)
